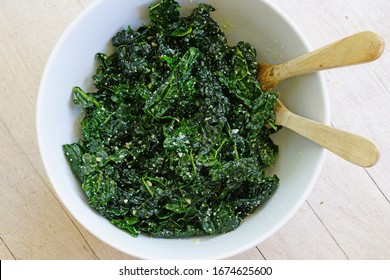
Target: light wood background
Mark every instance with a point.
(347, 215)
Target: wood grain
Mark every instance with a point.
(347, 215)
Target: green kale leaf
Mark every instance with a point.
(175, 140)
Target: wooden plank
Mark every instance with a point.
(251, 254)
(33, 225)
(85, 3)
(101, 249)
(303, 237)
(5, 253)
(353, 210)
(29, 31)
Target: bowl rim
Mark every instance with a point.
(101, 236)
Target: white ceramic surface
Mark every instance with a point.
(72, 63)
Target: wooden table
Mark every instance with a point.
(347, 215)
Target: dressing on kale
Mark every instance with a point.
(176, 137)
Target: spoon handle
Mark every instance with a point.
(351, 147)
(355, 49)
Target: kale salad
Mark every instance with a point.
(176, 135)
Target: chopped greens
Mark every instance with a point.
(176, 137)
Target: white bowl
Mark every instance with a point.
(72, 63)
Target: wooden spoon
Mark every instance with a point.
(358, 48)
(353, 148)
